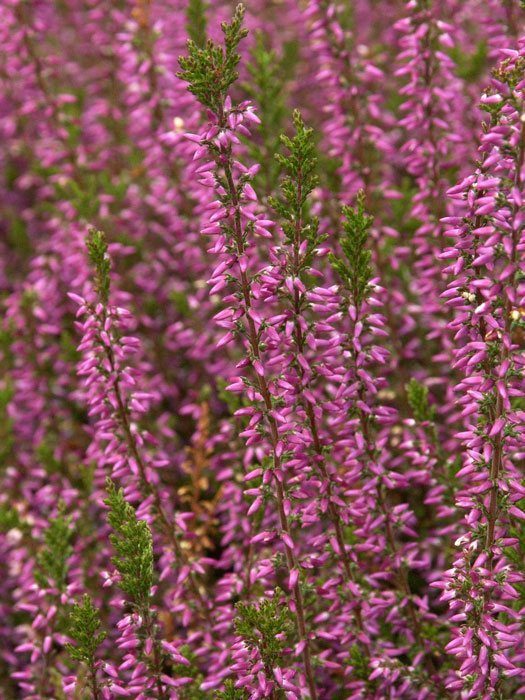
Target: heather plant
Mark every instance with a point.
(84, 624)
(262, 350)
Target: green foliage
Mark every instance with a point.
(99, 259)
(417, 395)
(70, 115)
(189, 691)
(132, 541)
(196, 21)
(84, 191)
(28, 301)
(230, 692)
(232, 401)
(180, 301)
(299, 166)
(402, 207)
(52, 559)
(56, 684)
(45, 453)
(68, 347)
(265, 627)
(267, 88)
(356, 271)
(7, 438)
(9, 519)
(84, 623)
(17, 235)
(510, 72)
(300, 179)
(7, 338)
(212, 69)
(359, 662)
(470, 66)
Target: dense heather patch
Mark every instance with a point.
(262, 349)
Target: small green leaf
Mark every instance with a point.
(417, 395)
(84, 623)
(265, 626)
(210, 70)
(299, 166)
(132, 541)
(196, 22)
(356, 269)
(230, 692)
(52, 559)
(99, 259)
(360, 663)
(9, 519)
(267, 87)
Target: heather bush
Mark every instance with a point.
(262, 349)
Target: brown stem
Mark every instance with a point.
(95, 688)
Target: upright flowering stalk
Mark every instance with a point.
(376, 520)
(361, 132)
(270, 74)
(432, 144)
(144, 653)
(347, 73)
(317, 470)
(116, 405)
(44, 592)
(105, 365)
(210, 72)
(434, 470)
(487, 296)
(296, 272)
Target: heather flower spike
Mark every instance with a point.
(262, 350)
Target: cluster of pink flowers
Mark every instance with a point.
(262, 349)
